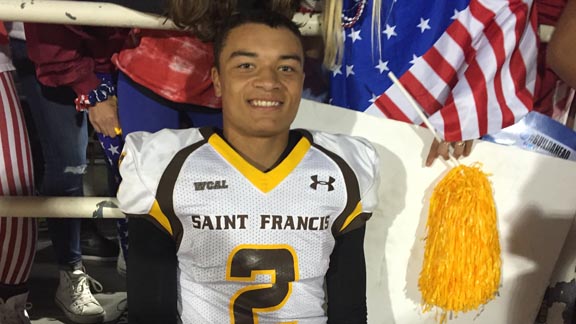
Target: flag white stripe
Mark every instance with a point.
(29, 239)
(375, 111)
(17, 223)
(467, 114)
(6, 190)
(450, 50)
(7, 231)
(486, 58)
(24, 146)
(21, 160)
(437, 87)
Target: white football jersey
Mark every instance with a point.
(253, 246)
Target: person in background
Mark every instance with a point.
(553, 95)
(195, 266)
(73, 69)
(561, 51)
(469, 81)
(17, 235)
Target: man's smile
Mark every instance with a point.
(259, 103)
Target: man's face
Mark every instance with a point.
(260, 80)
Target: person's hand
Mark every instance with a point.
(104, 117)
(462, 148)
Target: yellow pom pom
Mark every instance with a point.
(461, 269)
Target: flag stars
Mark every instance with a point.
(414, 59)
(382, 66)
(373, 99)
(424, 24)
(355, 35)
(336, 69)
(390, 31)
(455, 15)
(349, 70)
(113, 149)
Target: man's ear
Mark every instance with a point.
(216, 81)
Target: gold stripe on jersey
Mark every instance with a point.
(159, 216)
(265, 181)
(357, 211)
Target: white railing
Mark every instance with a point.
(105, 14)
(60, 207)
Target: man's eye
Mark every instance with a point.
(245, 66)
(286, 68)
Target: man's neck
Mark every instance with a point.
(261, 152)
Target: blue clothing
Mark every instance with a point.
(140, 109)
(63, 136)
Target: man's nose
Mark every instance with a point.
(267, 79)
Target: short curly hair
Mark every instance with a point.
(204, 17)
(265, 17)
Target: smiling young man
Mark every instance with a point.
(248, 223)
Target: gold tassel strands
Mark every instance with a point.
(461, 268)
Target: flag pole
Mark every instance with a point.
(420, 113)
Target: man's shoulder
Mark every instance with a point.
(163, 140)
(339, 143)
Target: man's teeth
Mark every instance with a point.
(265, 103)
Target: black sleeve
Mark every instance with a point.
(152, 274)
(346, 280)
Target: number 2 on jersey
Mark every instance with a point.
(244, 264)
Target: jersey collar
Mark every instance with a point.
(264, 181)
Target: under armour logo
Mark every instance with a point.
(328, 183)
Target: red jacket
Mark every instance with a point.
(174, 65)
(3, 34)
(72, 55)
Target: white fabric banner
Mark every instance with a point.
(535, 197)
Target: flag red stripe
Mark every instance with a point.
(11, 245)
(23, 257)
(517, 64)
(477, 83)
(27, 154)
(439, 64)
(462, 37)
(3, 249)
(9, 171)
(495, 36)
(474, 76)
(450, 115)
(32, 235)
(14, 109)
(420, 93)
(22, 239)
(390, 109)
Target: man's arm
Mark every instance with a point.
(57, 53)
(561, 50)
(152, 274)
(71, 56)
(346, 280)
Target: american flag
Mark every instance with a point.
(470, 64)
